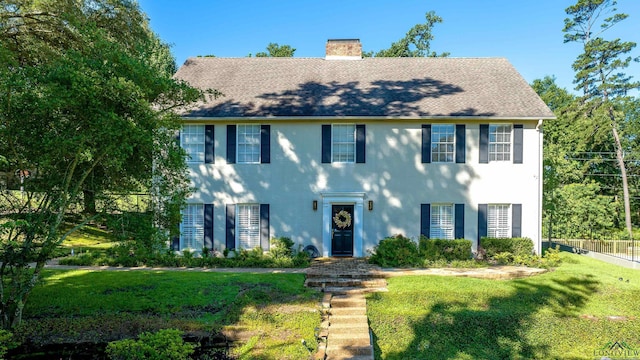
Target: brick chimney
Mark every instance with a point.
(343, 49)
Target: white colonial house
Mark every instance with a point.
(343, 151)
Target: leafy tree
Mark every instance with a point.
(416, 43)
(599, 75)
(275, 50)
(582, 211)
(559, 146)
(86, 94)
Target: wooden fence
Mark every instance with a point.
(625, 249)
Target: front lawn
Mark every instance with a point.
(273, 311)
(585, 309)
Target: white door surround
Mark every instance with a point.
(343, 198)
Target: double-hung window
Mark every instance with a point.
(343, 144)
(248, 226)
(499, 142)
(192, 141)
(442, 222)
(248, 144)
(442, 143)
(498, 221)
(192, 231)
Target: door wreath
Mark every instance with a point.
(342, 219)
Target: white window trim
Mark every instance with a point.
(439, 225)
(333, 143)
(200, 156)
(238, 144)
(499, 231)
(510, 143)
(254, 231)
(343, 198)
(453, 153)
(196, 211)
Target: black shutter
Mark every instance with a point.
(426, 144)
(209, 142)
(361, 142)
(230, 240)
(516, 220)
(425, 220)
(208, 226)
(231, 144)
(460, 144)
(459, 221)
(178, 138)
(175, 241)
(326, 144)
(482, 221)
(517, 143)
(484, 144)
(265, 144)
(264, 227)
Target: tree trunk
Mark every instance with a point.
(89, 200)
(623, 174)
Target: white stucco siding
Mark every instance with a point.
(393, 177)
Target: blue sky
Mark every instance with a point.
(527, 32)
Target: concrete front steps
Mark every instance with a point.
(340, 275)
(349, 335)
(345, 327)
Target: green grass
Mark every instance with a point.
(88, 238)
(74, 306)
(562, 314)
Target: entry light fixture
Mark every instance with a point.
(315, 205)
(370, 205)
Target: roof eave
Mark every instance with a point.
(360, 118)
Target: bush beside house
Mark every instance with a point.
(400, 251)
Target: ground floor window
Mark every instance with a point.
(498, 221)
(441, 222)
(192, 228)
(248, 226)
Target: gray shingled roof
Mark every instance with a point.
(371, 87)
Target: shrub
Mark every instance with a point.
(281, 248)
(552, 256)
(165, 344)
(503, 258)
(514, 246)
(82, 259)
(6, 342)
(436, 249)
(550, 259)
(396, 251)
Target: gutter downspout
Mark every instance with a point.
(538, 244)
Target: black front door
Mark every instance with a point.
(342, 230)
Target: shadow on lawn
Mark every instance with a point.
(497, 331)
(75, 308)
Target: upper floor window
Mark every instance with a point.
(343, 143)
(498, 221)
(442, 226)
(249, 144)
(442, 143)
(499, 142)
(192, 141)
